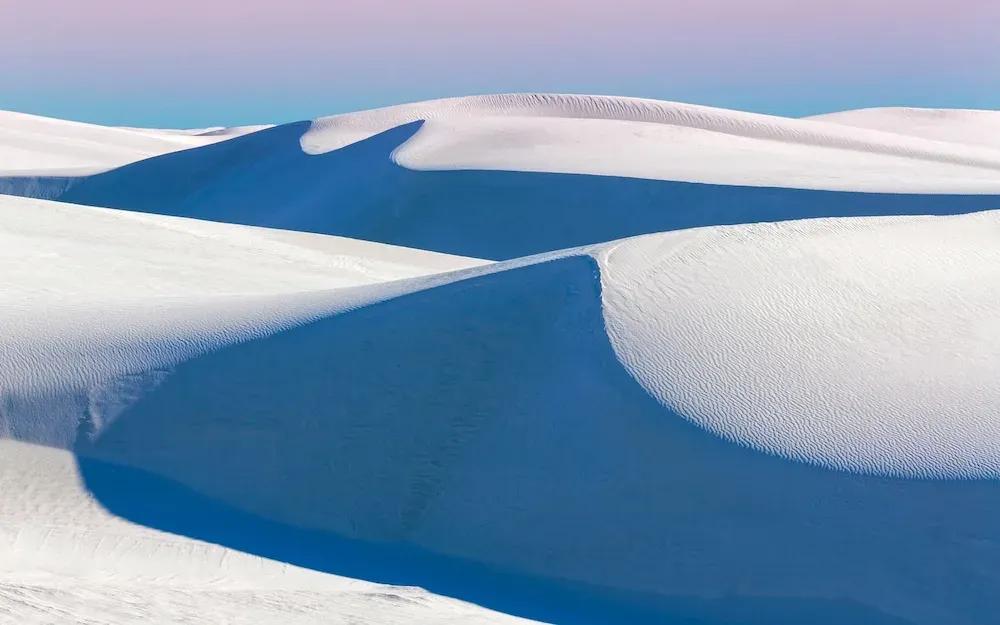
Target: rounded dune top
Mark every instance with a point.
(329, 133)
(867, 345)
(643, 138)
(967, 126)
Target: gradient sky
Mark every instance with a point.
(220, 62)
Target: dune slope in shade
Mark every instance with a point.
(884, 150)
(867, 345)
(506, 432)
(91, 294)
(96, 306)
(604, 135)
(757, 423)
(265, 179)
(66, 559)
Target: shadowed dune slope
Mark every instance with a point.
(489, 423)
(762, 423)
(265, 179)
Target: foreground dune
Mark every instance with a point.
(652, 382)
(65, 559)
(96, 305)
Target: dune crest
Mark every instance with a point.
(279, 377)
(654, 139)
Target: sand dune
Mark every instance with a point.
(664, 141)
(128, 293)
(31, 145)
(492, 376)
(96, 306)
(970, 127)
(65, 559)
(265, 179)
(671, 401)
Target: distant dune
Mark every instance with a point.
(464, 176)
(31, 145)
(969, 127)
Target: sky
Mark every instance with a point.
(192, 63)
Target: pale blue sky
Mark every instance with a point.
(196, 63)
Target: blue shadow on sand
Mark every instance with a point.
(265, 179)
(490, 418)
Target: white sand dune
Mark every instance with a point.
(665, 141)
(145, 276)
(226, 132)
(970, 127)
(864, 345)
(423, 412)
(31, 145)
(881, 150)
(65, 559)
(129, 295)
(762, 423)
(464, 176)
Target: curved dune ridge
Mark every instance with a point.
(97, 306)
(490, 376)
(670, 401)
(665, 141)
(581, 134)
(516, 161)
(145, 277)
(837, 342)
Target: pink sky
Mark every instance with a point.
(295, 58)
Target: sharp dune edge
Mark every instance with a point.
(882, 151)
(565, 164)
(778, 422)
(666, 141)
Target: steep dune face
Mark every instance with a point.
(96, 306)
(65, 558)
(864, 345)
(659, 140)
(463, 176)
(874, 150)
(91, 295)
(337, 131)
(761, 423)
(265, 179)
(489, 379)
(455, 366)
